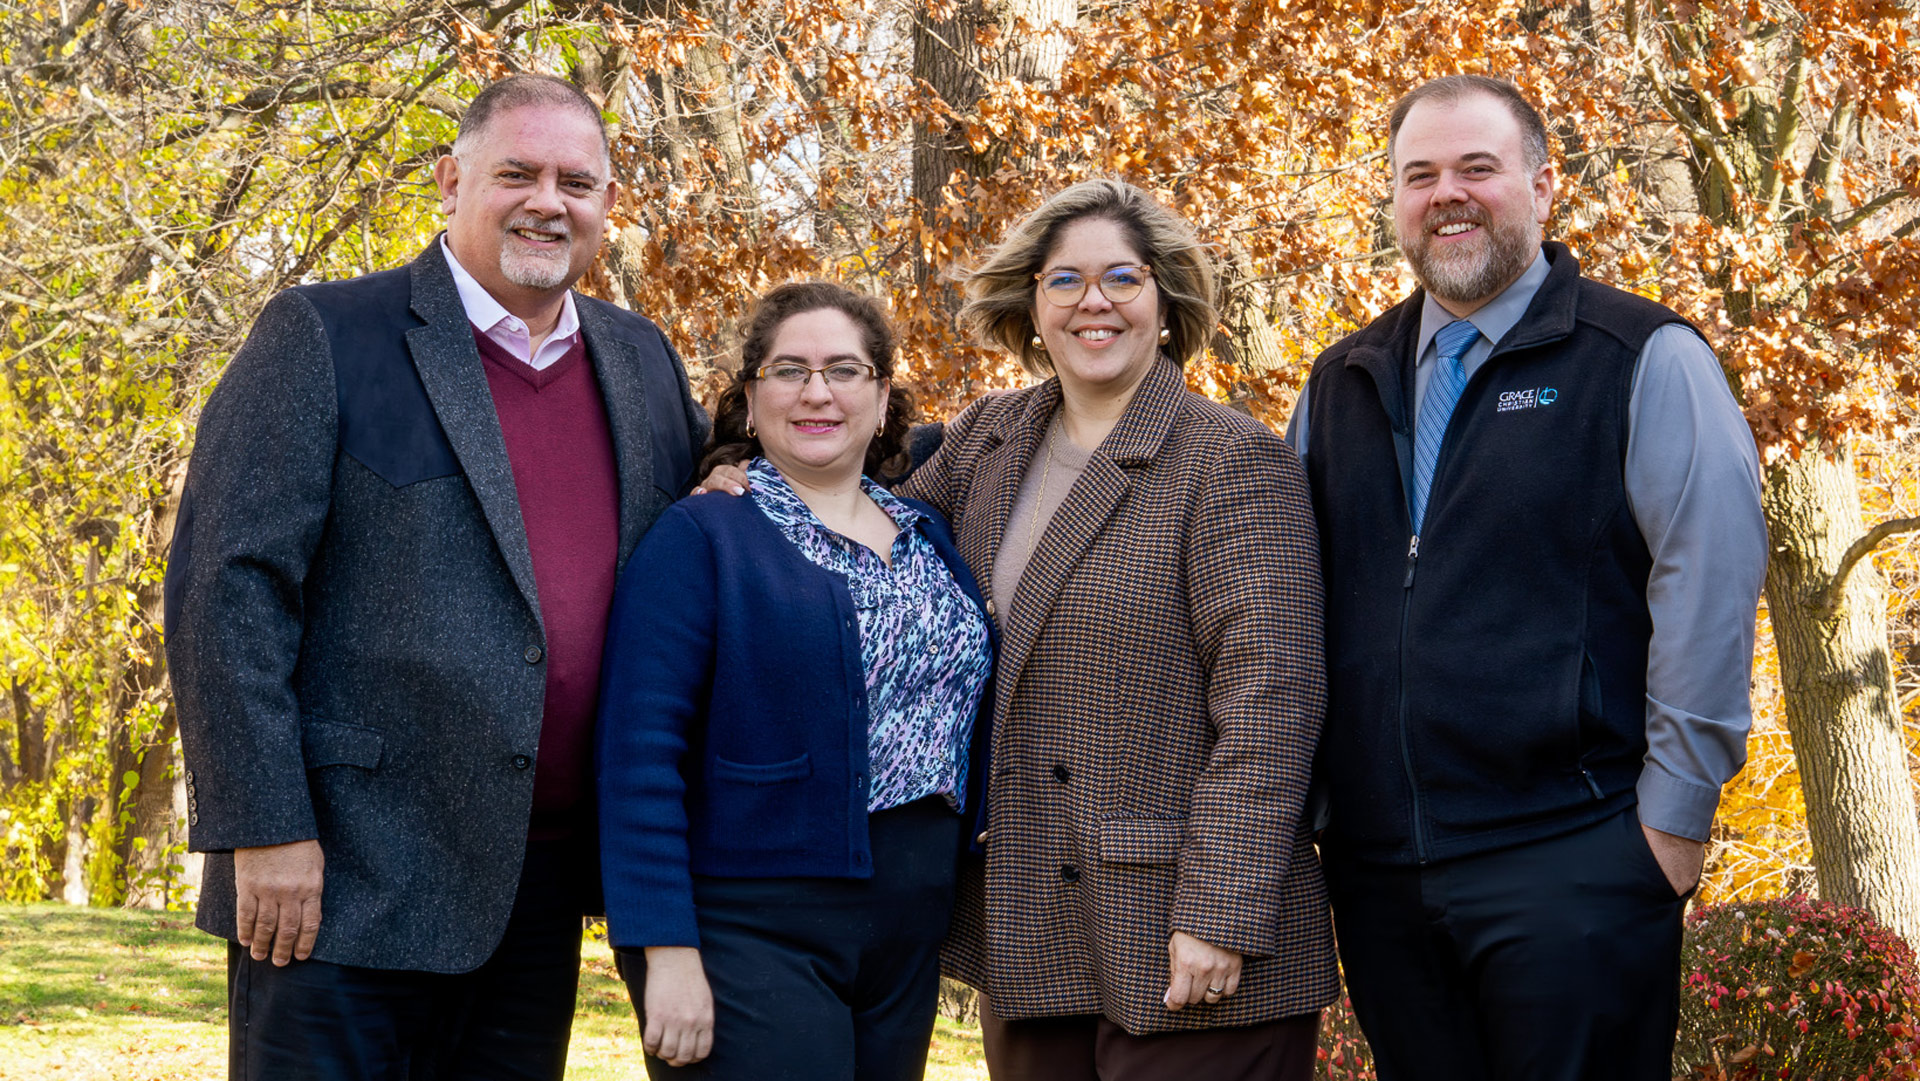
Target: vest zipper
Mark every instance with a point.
(1406, 750)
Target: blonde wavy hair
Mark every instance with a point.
(1001, 292)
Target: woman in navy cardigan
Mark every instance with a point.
(779, 846)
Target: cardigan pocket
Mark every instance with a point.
(1142, 840)
(793, 769)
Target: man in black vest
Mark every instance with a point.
(1539, 512)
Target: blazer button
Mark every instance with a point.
(1069, 872)
(521, 761)
(533, 654)
(1061, 773)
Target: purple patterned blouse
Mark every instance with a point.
(923, 643)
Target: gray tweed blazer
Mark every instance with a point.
(1158, 696)
(352, 626)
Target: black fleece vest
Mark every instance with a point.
(1490, 688)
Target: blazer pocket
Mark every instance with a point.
(793, 769)
(1142, 840)
(330, 743)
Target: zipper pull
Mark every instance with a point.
(1592, 785)
(1413, 556)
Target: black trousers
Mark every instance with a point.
(1557, 960)
(826, 979)
(507, 1020)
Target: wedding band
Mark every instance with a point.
(1216, 990)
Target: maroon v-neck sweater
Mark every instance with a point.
(561, 449)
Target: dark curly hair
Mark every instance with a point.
(731, 445)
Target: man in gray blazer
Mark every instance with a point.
(406, 509)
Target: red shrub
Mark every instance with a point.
(1795, 988)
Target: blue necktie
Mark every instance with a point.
(1443, 393)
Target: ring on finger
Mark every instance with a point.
(1216, 990)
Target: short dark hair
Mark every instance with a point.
(1450, 89)
(1000, 291)
(731, 445)
(518, 92)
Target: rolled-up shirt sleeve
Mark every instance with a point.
(1693, 484)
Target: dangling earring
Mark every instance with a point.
(1165, 335)
(1038, 345)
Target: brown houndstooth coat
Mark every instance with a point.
(1158, 696)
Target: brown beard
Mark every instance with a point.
(1510, 248)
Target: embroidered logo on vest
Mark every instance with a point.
(1531, 398)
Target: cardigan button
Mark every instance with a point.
(1069, 872)
(533, 654)
(521, 761)
(990, 607)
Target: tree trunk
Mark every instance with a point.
(1836, 673)
(948, 55)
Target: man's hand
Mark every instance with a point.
(278, 888)
(724, 478)
(1199, 972)
(677, 1006)
(1679, 857)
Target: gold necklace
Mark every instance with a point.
(1040, 499)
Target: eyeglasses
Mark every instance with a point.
(1119, 284)
(841, 374)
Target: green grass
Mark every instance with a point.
(90, 994)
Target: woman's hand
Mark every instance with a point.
(1200, 972)
(678, 1006)
(724, 478)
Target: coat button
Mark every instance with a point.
(533, 654)
(521, 761)
(1061, 773)
(1069, 872)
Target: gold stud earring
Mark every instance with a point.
(1038, 345)
(1165, 335)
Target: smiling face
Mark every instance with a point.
(814, 432)
(1096, 345)
(526, 204)
(1466, 208)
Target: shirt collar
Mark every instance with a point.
(778, 497)
(1495, 317)
(487, 313)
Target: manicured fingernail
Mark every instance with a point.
(737, 490)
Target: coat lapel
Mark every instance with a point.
(618, 364)
(1084, 513)
(456, 383)
(1000, 470)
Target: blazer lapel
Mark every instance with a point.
(456, 383)
(1000, 470)
(618, 364)
(1084, 513)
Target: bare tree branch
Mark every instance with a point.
(1828, 600)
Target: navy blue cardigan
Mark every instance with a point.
(732, 738)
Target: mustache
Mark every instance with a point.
(557, 226)
(1444, 218)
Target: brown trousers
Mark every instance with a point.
(1088, 1047)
